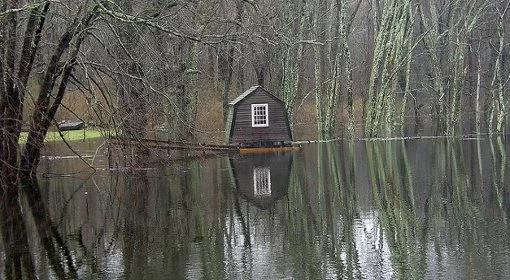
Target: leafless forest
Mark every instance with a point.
(345, 68)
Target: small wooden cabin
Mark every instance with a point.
(261, 179)
(258, 118)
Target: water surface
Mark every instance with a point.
(418, 209)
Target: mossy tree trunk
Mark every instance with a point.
(292, 54)
(498, 105)
(321, 72)
(332, 64)
(431, 30)
(184, 111)
(446, 40)
(392, 50)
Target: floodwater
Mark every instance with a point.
(417, 209)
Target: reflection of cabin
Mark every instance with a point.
(262, 179)
(258, 118)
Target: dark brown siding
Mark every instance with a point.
(242, 131)
(280, 167)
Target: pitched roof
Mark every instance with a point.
(250, 91)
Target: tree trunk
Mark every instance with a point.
(130, 86)
(292, 57)
(431, 41)
(44, 112)
(499, 102)
(229, 60)
(389, 55)
(478, 90)
(11, 114)
(321, 70)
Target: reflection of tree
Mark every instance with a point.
(343, 200)
(198, 225)
(451, 208)
(460, 215)
(214, 251)
(186, 232)
(19, 263)
(348, 202)
(14, 235)
(499, 165)
(136, 227)
(53, 243)
(392, 189)
(193, 224)
(301, 223)
(321, 210)
(464, 210)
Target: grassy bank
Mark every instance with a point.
(73, 135)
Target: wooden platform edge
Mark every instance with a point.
(264, 150)
(173, 145)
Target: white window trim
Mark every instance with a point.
(261, 172)
(253, 115)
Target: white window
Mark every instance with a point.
(259, 115)
(261, 181)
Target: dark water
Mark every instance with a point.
(421, 209)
